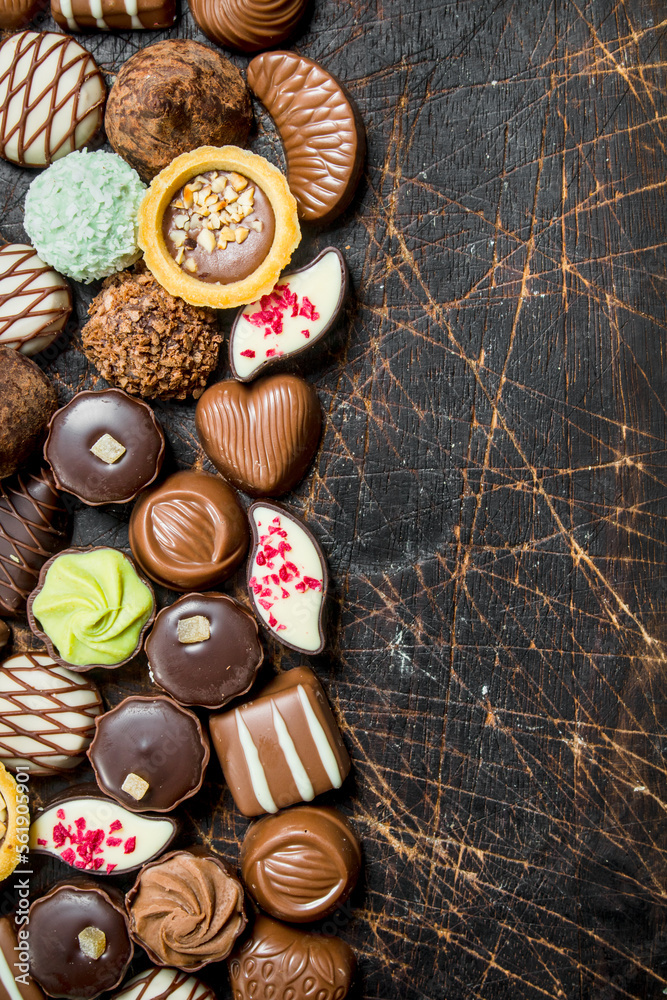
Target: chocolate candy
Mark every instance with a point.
(16, 14)
(5, 634)
(297, 314)
(27, 402)
(33, 525)
(248, 25)
(47, 714)
(260, 437)
(158, 984)
(79, 941)
(186, 909)
(91, 608)
(35, 301)
(204, 650)
(281, 961)
(104, 447)
(113, 15)
(88, 831)
(71, 89)
(149, 753)
(301, 864)
(219, 226)
(189, 532)
(282, 747)
(324, 142)
(287, 578)
(15, 983)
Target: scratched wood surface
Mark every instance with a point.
(490, 492)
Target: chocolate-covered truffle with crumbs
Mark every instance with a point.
(79, 941)
(204, 650)
(149, 753)
(27, 402)
(104, 447)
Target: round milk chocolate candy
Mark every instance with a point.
(104, 447)
(189, 532)
(204, 650)
(301, 864)
(79, 941)
(149, 754)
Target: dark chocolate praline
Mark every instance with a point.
(215, 670)
(155, 740)
(79, 426)
(56, 960)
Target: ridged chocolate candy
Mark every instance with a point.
(248, 25)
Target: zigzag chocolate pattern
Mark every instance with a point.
(261, 437)
(316, 120)
(32, 527)
(158, 984)
(41, 75)
(46, 736)
(248, 25)
(35, 301)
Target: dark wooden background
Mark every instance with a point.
(490, 493)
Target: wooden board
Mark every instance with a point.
(490, 492)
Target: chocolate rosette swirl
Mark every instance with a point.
(248, 25)
(186, 910)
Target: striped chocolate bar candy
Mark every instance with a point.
(113, 15)
(282, 747)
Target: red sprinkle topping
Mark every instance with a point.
(86, 845)
(271, 314)
(114, 841)
(42, 842)
(247, 354)
(61, 814)
(116, 825)
(273, 587)
(130, 845)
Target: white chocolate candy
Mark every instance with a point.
(94, 833)
(158, 984)
(51, 97)
(47, 714)
(35, 301)
(287, 577)
(299, 311)
(113, 15)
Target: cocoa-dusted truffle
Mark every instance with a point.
(172, 97)
(147, 342)
(27, 403)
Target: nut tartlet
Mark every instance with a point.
(217, 226)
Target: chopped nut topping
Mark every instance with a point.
(195, 629)
(241, 234)
(178, 237)
(206, 239)
(257, 225)
(108, 449)
(135, 786)
(92, 942)
(237, 181)
(190, 265)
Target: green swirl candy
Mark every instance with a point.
(93, 607)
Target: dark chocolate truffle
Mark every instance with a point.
(171, 98)
(27, 403)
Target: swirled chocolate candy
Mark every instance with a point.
(261, 437)
(14, 952)
(282, 747)
(34, 133)
(287, 578)
(189, 532)
(289, 962)
(296, 315)
(79, 941)
(47, 714)
(159, 984)
(113, 15)
(301, 864)
(149, 753)
(33, 525)
(248, 25)
(204, 650)
(88, 831)
(91, 608)
(104, 447)
(324, 141)
(186, 909)
(35, 301)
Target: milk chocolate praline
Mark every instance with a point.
(186, 909)
(27, 402)
(213, 670)
(57, 919)
(189, 532)
(87, 422)
(152, 739)
(301, 864)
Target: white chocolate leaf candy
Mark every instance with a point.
(91, 832)
(298, 313)
(47, 714)
(35, 301)
(158, 984)
(287, 577)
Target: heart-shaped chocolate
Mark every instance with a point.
(263, 436)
